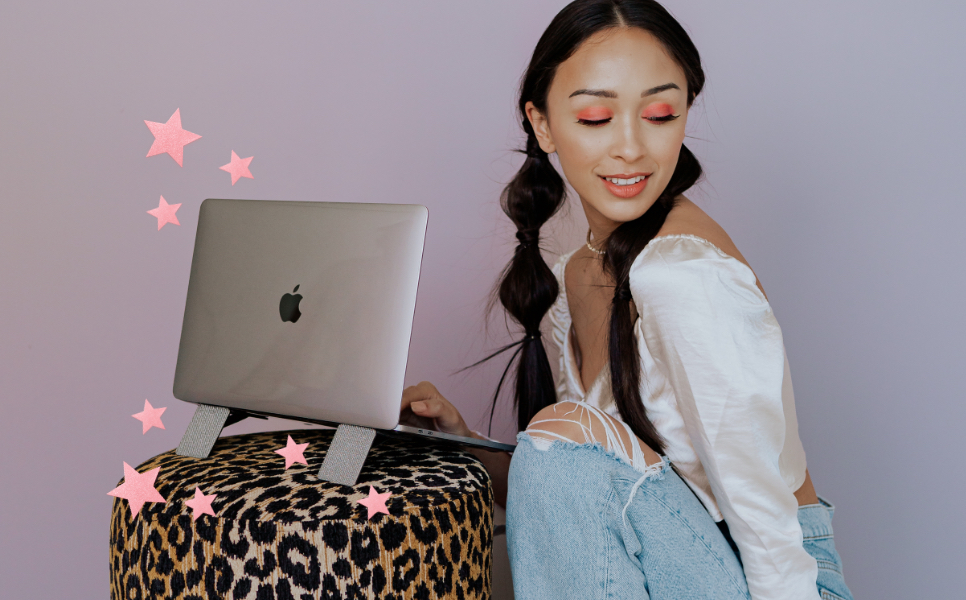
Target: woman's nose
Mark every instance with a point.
(629, 143)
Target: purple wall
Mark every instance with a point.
(829, 132)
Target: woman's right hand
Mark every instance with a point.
(423, 406)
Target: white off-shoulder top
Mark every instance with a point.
(716, 384)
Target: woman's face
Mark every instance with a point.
(616, 112)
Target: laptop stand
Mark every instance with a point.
(206, 426)
(347, 451)
(343, 460)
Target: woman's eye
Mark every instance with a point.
(592, 116)
(597, 122)
(663, 119)
(660, 112)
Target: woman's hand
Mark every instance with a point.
(423, 406)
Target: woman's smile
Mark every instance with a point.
(625, 186)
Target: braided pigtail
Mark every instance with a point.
(528, 287)
(623, 246)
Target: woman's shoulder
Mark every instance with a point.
(688, 222)
(690, 245)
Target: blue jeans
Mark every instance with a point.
(582, 524)
(816, 521)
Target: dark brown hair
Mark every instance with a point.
(527, 288)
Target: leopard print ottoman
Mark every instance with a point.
(285, 535)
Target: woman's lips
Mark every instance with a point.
(625, 191)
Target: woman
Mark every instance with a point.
(666, 462)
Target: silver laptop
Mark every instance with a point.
(304, 310)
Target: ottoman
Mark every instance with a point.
(283, 534)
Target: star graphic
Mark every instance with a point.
(376, 503)
(170, 137)
(201, 504)
(150, 417)
(165, 213)
(238, 167)
(137, 488)
(293, 452)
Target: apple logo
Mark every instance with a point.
(288, 308)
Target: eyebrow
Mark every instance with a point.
(612, 94)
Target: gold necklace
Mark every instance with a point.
(591, 248)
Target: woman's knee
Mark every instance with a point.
(564, 421)
(576, 422)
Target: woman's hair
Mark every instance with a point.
(528, 288)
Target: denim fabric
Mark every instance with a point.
(582, 523)
(816, 520)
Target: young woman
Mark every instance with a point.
(665, 462)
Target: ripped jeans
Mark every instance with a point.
(584, 524)
(569, 535)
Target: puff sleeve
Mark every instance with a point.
(714, 334)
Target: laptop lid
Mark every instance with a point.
(302, 309)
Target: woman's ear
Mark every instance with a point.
(541, 128)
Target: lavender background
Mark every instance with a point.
(830, 133)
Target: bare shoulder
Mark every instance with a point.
(687, 218)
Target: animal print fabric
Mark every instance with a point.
(285, 535)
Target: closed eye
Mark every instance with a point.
(599, 122)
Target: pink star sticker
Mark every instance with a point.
(137, 488)
(170, 137)
(165, 213)
(238, 167)
(150, 417)
(376, 503)
(293, 452)
(201, 504)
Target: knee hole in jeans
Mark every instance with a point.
(581, 423)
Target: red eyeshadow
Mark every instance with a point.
(658, 110)
(594, 113)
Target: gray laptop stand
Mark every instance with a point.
(343, 461)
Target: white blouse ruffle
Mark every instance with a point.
(716, 384)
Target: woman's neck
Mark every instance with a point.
(600, 226)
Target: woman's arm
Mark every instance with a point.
(423, 406)
(687, 218)
(705, 320)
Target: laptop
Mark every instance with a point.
(304, 310)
